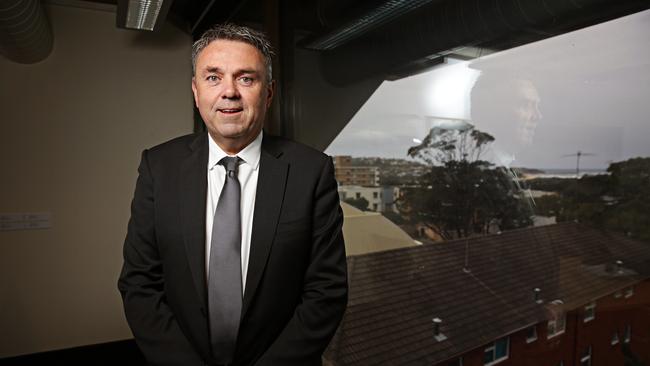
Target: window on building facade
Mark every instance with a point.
(585, 359)
(556, 326)
(531, 334)
(358, 195)
(590, 312)
(627, 334)
(456, 362)
(375, 194)
(496, 352)
(629, 292)
(615, 338)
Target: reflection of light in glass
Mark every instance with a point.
(448, 94)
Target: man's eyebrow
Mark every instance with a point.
(212, 69)
(246, 71)
(216, 69)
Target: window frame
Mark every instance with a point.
(615, 339)
(590, 312)
(586, 357)
(493, 348)
(627, 333)
(532, 339)
(556, 332)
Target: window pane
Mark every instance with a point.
(501, 348)
(488, 356)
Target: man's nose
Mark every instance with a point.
(230, 90)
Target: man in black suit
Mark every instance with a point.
(290, 251)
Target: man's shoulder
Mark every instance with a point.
(177, 147)
(293, 150)
(180, 142)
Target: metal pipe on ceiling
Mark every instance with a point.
(25, 31)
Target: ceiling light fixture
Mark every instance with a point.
(142, 14)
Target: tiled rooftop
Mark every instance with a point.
(395, 294)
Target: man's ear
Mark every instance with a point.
(196, 97)
(270, 93)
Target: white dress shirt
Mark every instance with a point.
(247, 175)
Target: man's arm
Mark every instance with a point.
(141, 284)
(325, 290)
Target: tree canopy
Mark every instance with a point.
(619, 201)
(462, 195)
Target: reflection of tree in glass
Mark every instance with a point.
(462, 195)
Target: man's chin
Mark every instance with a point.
(233, 135)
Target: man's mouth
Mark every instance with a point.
(229, 110)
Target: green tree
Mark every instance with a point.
(619, 201)
(630, 187)
(462, 195)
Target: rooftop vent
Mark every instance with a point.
(436, 330)
(536, 295)
(619, 266)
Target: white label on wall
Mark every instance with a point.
(25, 221)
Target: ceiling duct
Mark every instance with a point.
(438, 29)
(25, 32)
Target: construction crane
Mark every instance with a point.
(578, 155)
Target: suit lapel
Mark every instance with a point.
(271, 182)
(193, 190)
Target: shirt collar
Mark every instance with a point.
(250, 154)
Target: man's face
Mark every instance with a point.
(231, 92)
(527, 111)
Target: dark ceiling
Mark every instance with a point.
(401, 37)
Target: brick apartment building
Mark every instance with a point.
(350, 175)
(564, 294)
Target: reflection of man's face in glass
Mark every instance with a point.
(507, 108)
(527, 111)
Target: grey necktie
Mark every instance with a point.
(224, 276)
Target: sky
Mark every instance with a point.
(586, 91)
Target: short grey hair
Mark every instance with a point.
(233, 32)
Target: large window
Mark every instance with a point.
(520, 183)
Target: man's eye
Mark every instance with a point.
(246, 80)
(212, 78)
